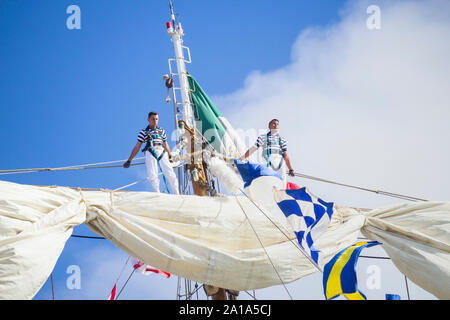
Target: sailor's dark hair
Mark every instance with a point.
(151, 113)
(273, 120)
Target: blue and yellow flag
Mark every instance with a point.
(339, 274)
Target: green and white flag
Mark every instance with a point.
(213, 125)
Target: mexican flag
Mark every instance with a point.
(213, 125)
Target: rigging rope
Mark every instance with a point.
(262, 245)
(396, 195)
(386, 193)
(123, 268)
(87, 237)
(53, 290)
(287, 237)
(76, 167)
(407, 288)
(182, 157)
(132, 272)
(129, 185)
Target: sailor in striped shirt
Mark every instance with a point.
(274, 150)
(157, 155)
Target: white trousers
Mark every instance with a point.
(275, 160)
(153, 171)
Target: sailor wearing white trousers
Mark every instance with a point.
(274, 150)
(157, 155)
(163, 168)
(277, 163)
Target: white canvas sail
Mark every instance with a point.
(206, 239)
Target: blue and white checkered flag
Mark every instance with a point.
(308, 215)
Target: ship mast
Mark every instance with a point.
(193, 140)
(175, 30)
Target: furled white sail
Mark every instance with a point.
(207, 239)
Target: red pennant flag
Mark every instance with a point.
(112, 296)
(158, 271)
(292, 186)
(144, 269)
(138, 264)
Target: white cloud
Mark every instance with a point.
(364, 107)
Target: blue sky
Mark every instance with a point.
(71, 97)
(81, 96)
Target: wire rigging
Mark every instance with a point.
(262, 245)
(390, 194)
(101, 165)
(129, 277)
(98, 165)
(102, 238)
(287, 237)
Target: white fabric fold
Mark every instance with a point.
(206, 239)
(416, 237)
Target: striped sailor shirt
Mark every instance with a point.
(275, 143)
(158, 135)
